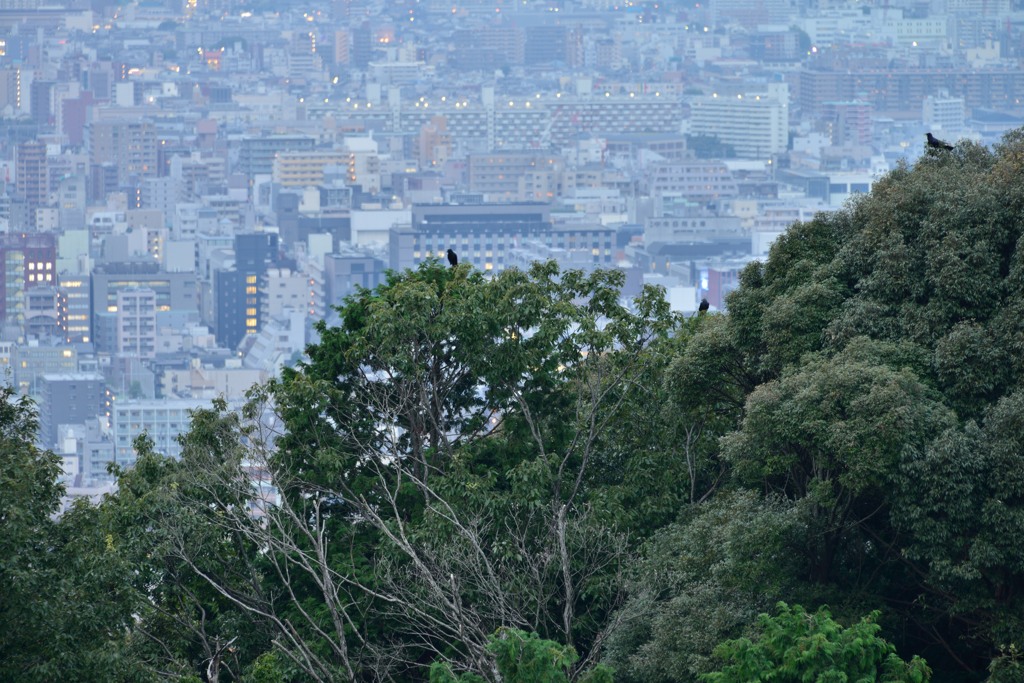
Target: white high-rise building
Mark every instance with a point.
(136, 322)
(942, 112)
(161, 419)
(756, 125)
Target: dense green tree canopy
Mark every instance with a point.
(486, 478)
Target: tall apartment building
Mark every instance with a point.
(70, 398)
(237, 294)
(71, 197)
(363, 163)
(75, 289)
(755, 125)
(41, 103)
(26, 260)
(303, 60)
(434, 144)
(942, 112)
(848, 123)
(31, 180)
(136, 322)
(283, 291)
(342, 48)
(129, 144)
(10, 88)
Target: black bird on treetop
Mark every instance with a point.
(704, 306)
(936, 143)
(453, 258)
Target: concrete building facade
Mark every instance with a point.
(755, 125)
(71, 398)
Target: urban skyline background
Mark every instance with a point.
(188, 186)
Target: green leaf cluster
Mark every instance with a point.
(794, 646)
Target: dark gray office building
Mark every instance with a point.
(237, 295)
(70, 398)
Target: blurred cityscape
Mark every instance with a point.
(186, 187)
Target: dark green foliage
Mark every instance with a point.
(963, 501)
(64, 595)
(30, 495)
(870, 368)
(833, 433)
(704, 580)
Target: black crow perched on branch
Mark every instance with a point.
(453, 258)
(703, 308)
(936, 143)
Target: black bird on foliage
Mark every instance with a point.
(453, 258)
(936, 143)
(703, 308)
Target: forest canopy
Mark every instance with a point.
(526, 478)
